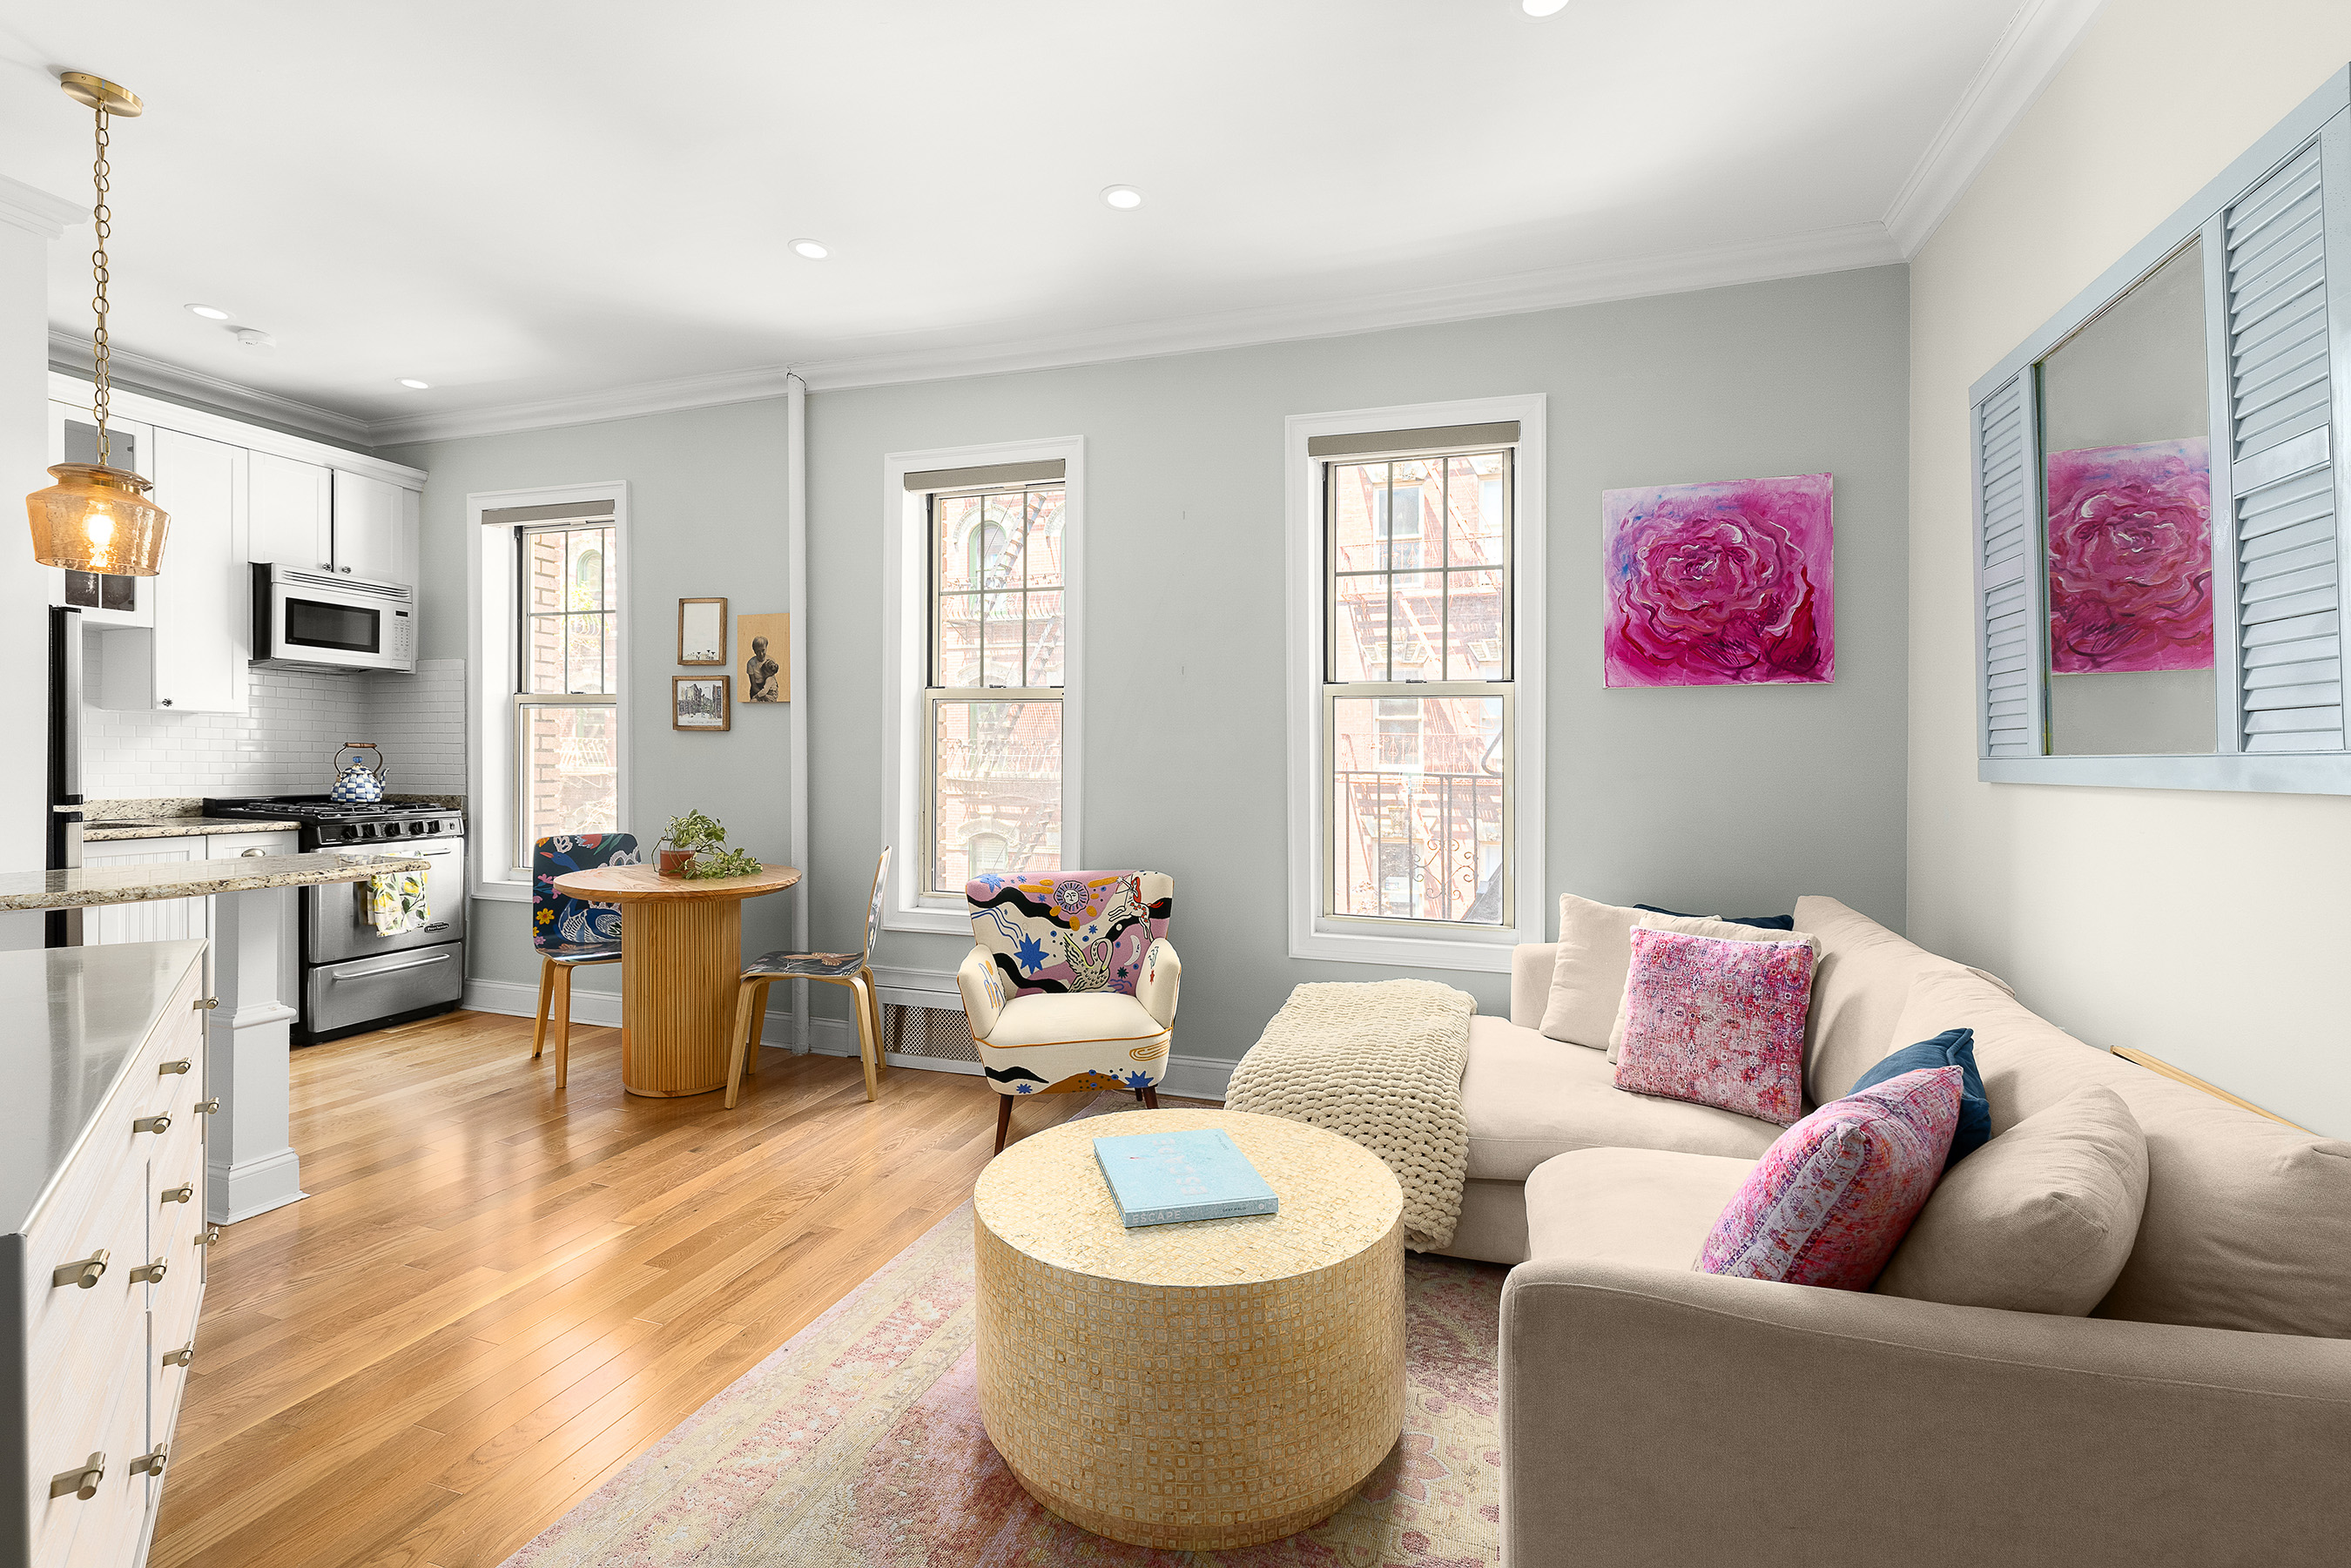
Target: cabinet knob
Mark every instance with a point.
(184, 1193)
(203, 1108)
(84, 1271)
(149, 1464)
(165, 702)
(206, 1004)
(161, 1123)
(342, 568)
(150, 1273)
(210, 1237)
(80, 1481)
(253, 854)
(167, 1069)
(181, 1356)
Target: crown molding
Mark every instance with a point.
(69, 351)
(2038, 39)
(30, 207)
(586, 408)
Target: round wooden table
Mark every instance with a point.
(681, 963)
(1197, 1386)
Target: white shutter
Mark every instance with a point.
(2008, 588)
(2281, 466)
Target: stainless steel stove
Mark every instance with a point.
(353, 978)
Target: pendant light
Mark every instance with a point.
(95, 517)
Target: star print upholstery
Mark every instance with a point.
(563, 927)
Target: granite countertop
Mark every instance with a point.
(178, 828)
(77, 1017)
(91, 886)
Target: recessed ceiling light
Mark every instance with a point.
(209, 312)
(1122, 196)
(813, 249)
(415, 385)
(1542, 7)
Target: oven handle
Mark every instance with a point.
(395, 969)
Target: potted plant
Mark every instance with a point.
(688, 835)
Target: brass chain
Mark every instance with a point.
(102, 217)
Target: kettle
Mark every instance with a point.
(358, 785)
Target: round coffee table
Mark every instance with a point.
(1197, 1387)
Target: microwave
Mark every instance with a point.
(319, 620)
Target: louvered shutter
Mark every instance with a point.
(2008, 590)
(2281, 466)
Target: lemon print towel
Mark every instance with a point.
(396, 902)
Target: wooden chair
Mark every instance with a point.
(571, 933)
(851, 969)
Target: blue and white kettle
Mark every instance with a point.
(358, 784)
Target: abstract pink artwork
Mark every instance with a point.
(1723, 584)
(2130, 558)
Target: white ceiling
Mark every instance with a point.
(522, 202)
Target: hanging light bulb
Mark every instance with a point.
(95, 517)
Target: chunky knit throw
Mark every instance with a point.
(1381, 1064)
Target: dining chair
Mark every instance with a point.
(851, 969)
(571, 933)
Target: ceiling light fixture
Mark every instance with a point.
(1126, 198)
(1542, 7)
(414, 385)
(95, 518)
(209, 312)
(813, 249)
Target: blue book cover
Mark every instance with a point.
(1162, 1178)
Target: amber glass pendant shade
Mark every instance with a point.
(98, 519)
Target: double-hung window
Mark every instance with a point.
(568, 661)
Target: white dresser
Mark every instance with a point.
(102, 1240)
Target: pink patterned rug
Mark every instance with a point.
(859, 1445)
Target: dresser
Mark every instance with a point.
(102, 1240)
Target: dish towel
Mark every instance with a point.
(396, 902)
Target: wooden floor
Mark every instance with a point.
(498, 1294)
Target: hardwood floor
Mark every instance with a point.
(499, 1293)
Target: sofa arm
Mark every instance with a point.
(983, 990)
(1532, 964)
(1161, 976)
(1657, 1416)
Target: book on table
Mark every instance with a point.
(1164, 1178)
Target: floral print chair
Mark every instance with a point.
(1071, 985)
(571, 933)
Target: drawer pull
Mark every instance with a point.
(206, 1004)
(84, 1273)
(211, 1236)
(161, 1123)
(181, 1356)
(169, 1068)
(150, 1273)
(149, 1464)
(82, 1482)
(206, 1107)
(184, 1193)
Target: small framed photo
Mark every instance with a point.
(701, 631)
(764, 646)
(701, 702)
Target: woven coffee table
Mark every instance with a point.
(1193, 1386)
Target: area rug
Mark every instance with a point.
(859, 1445)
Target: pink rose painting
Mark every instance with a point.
(2130, 558)
(1723, 584)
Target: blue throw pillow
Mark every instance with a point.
(1768, 922)
(1952, 1048)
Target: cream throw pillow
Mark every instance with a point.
(1587, 979)
(1691, 926)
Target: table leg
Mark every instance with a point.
(680, 967)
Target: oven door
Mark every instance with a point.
(335, 924)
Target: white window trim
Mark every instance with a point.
(905, 553)
(1311, 935)
(490, 686)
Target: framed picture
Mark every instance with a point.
(701, 702)
(765, 642)
(701, 631)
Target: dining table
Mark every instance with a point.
(681, 967)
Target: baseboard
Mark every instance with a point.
(255, 1186)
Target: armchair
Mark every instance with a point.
(1071, 983)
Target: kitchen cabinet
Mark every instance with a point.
(376, 529)
(290, 513)
(190, 658)
(158, 919)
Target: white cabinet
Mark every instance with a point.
(156, 919)
(291, 514)
(376, 526)
(192, 658)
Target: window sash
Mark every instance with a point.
(1335, 820)
(1444, 570)
(930, 814)
(526, 838)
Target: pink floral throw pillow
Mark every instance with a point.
(1831, 1201)
(1721, 1023)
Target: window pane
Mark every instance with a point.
(1475, 527)
(1416, 823)
(958, 644)
(1359, 633)
(584, 568)
(584, 651)
(1358, 494)
(996, 772)
(1044, 645)
(996, 550)
(569, 774)
(1473, 626)
(1408, 521)
(955, 516)
(1415, 611)
(1044, 550)
(1001, 647)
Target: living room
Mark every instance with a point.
(885, 580)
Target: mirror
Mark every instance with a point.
(2123, 438)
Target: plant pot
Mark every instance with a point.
(674, 862)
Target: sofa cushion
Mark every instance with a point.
(1704, 925)
(1773, 921)
(1595, 950)
(1952, 1048)
(2248, 1220)
(1716, 1023)
(1527, 1098)
(1110, 1017)
(2040, 1221)
(1628, 1206)
(1858, 990)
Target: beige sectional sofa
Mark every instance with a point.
(1652, 1415)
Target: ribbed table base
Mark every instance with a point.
(680, 964)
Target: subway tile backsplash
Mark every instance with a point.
(285, 744)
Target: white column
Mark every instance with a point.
(31, 220)
(248, 1152)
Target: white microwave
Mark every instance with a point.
(317, 620)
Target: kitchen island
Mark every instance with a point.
(248, 1153)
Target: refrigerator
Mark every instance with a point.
(64, 827)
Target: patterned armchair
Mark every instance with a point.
(571, 933)
(1072, 982)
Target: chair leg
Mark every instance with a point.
(874, 1006)
(868, 1046)
(746, 1024)
(759, 1024)
(1003, 1120)
(562, 1024)
(539, 1019)
(1151, 1097)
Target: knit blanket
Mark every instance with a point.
(1381, 1064)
